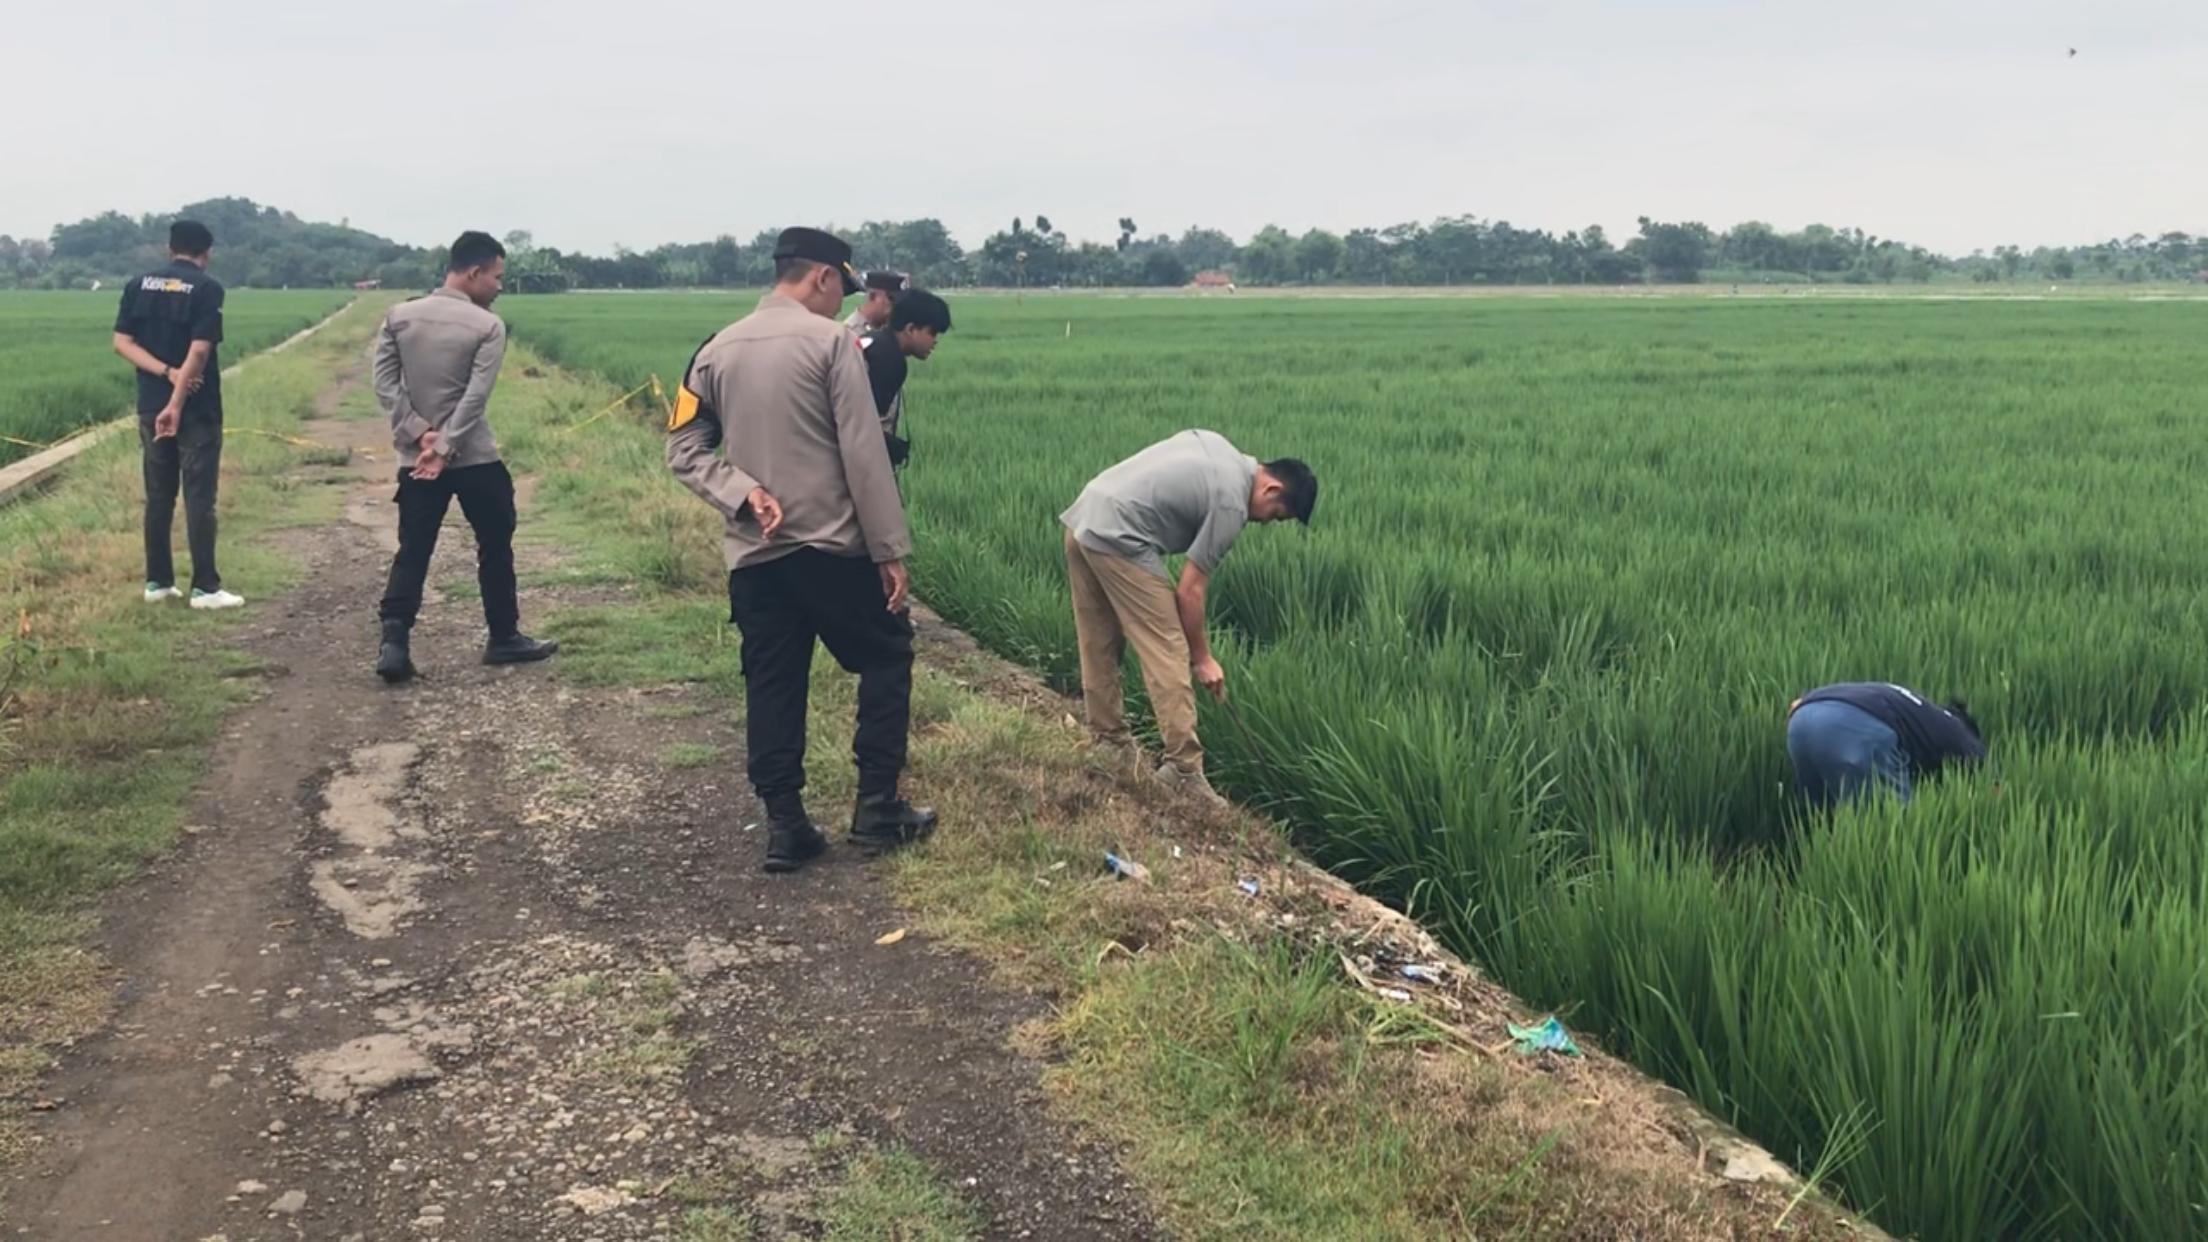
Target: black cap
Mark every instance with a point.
(892, 283)
(820, 247)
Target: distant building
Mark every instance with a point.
(1213, 279)
(365, 285)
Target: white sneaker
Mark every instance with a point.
(157, 594)
(216, 599)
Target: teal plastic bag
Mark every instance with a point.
(1548, 1035)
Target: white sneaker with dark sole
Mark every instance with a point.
(161, 594)
(216, 599)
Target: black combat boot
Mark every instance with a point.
(518, 649)
(394, 662)
(888, 822)
(792, 839)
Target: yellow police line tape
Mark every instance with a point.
(659, 394)
(295, 441)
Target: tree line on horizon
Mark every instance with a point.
(259, 246)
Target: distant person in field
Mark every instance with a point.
(882, 288)
(1863, 737)
(169, 326)
(916, 323)
(816, 539)
(437, 359)
(1189, 494)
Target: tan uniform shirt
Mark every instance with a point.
(786, 392)
(436, 361)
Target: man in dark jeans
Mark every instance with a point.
(168, 327)
(1864, 737)
(775, 427)
(436, 361)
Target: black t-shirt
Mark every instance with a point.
(885, 370)
(165, 312)
(1931, 735)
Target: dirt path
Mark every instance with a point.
(470, 959)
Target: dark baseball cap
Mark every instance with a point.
(820, 247)
(887, 281)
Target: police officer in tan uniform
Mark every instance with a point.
(437, 359)
(775, 427)
(882, 288)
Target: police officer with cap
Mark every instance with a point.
(775, 427)
(883, 288)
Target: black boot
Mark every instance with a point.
(394, 662)
(792, 841)
(518, 649)
(887, 823)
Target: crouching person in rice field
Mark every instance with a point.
(915, 324)
(816, 539)
(437, 358)
(1192, 493)
(1857, 737)
(169, 326)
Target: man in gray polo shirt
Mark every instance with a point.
(436, 361)
(1192, 494)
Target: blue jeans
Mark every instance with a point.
(1839, 750)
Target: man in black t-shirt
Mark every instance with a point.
(1847, 738)
(168, 326)
(915, 323)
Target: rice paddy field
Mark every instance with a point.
(59, 372)
(1527, 675)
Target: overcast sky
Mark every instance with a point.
(1953, 124)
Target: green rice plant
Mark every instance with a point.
(1526, 675)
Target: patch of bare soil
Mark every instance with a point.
(466, 959)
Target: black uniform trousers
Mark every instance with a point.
(486, 496)
(191, 458)
(781, 607)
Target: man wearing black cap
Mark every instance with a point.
(816, 538)
(1193, 494)
(883, 288)
(168, 326)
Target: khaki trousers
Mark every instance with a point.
(1117, 604)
